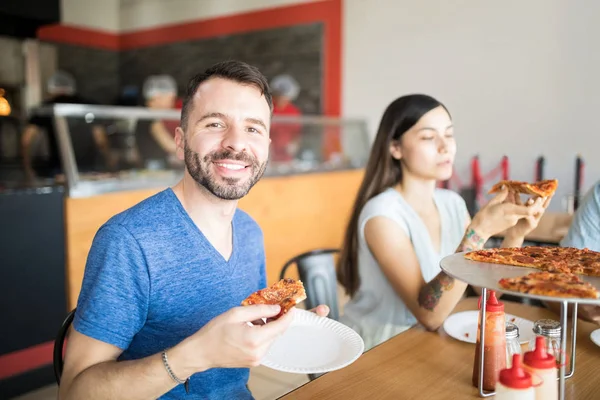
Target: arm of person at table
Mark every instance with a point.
(92, 371)
(103, 146)
(29, 135)
(431, 302)
(584, 231)
(163, 137)
(589, 313)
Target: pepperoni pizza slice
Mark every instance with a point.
(287, 293)
(551, 284)
(543, 188)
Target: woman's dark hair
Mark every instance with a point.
(382, 172)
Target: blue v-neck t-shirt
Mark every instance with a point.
(152, 279)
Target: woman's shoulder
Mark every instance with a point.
(388, 203)
(385, 200)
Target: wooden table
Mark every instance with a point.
(432, 365)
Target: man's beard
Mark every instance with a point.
(231, 188)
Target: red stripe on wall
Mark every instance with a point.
(21, 361)
(328, 12)
(79, 36)
(332, 65)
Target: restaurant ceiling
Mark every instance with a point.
(22, 18)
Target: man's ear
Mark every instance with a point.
(179, 143)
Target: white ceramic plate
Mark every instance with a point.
(595, 336)
(463, 326)
(314, 345)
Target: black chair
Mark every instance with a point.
(317, 272)
(59, 344)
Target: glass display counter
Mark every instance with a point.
(110, 149)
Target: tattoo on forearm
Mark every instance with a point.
(430, 294)
(471, 241)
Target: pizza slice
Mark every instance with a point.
(287, 293)
(543, 188)
(551, 284)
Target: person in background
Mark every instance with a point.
(154, 140)
(584, 232)
(285, 135)
(129, 96)
(159, 304)
(401, 226)
(88, 143)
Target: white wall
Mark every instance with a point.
(131, 15)
(142, 14)
(93, 14)
(519, 77)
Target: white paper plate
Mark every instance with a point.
(314, 345)
(595, 336)
(463, 326)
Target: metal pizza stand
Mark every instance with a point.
(487, 275)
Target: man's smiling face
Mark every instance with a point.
(226, 142)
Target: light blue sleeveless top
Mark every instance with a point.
(376, 312)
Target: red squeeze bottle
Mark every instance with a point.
(494, 353)
(515, 383)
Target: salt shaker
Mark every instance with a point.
(550, 330)
(513, 345)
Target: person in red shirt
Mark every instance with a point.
(155, 138)
(285, 136)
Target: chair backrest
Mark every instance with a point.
(59, 344)
(317, 271)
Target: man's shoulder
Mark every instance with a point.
(146, 214)
(243, 221)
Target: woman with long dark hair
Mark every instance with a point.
(401, 225)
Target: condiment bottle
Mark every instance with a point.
(513, 346)
(542, 366)
(515, 383)
(495, 343)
